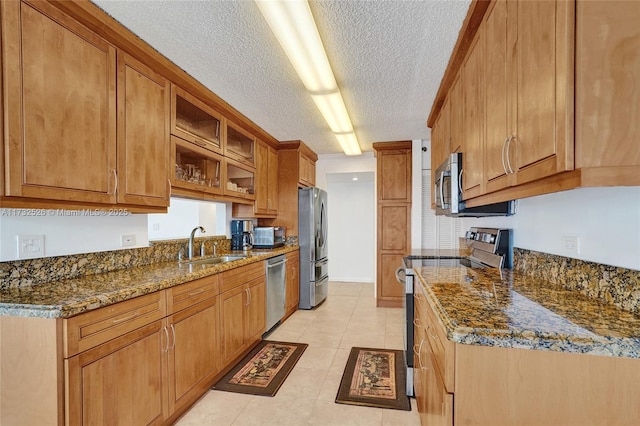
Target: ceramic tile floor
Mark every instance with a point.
(347, 318)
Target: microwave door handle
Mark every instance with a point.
(460, 180)
(442, 189)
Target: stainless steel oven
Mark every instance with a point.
(490, 248)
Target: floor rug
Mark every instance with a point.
(263, 370)
(374, 378)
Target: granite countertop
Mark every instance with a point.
(505, 308)
(62, 299)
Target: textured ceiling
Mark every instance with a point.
(387, 56)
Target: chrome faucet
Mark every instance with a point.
(193, 232)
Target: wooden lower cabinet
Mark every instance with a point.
(509, 386)
(121, 382)
(193, 355)
(243, 314)
(147, 374)
(292, 286)
(437, 402)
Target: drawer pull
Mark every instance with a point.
(116, 321)
(195, 293)
(430, 335)
(420, 355)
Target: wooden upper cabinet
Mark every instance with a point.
(195, 121)
(608, 118)
(272, 181)
(455, 117)
(262, 177)
(143, 134)
(239, 145)
(473, 118)
(307, 171)
(394, 172)
(59, 106)
(497, 97)
(543, 138)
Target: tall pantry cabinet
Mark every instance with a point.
(394, 218)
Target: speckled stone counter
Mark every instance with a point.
(65, 298)
(506, 308)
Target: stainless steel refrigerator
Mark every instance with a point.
(312, 238)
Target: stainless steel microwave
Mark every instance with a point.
(447, 189)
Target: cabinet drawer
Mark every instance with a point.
(241, 275)
(443, 349)
(93, 328)
(185, 295)
(438, 403)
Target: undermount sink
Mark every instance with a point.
(217, 260)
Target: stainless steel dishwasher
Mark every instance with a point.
(276, 276)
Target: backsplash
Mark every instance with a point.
(21, 273)
(609, 284)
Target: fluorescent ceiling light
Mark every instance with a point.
(349, 143)
(334, 111)
(292, 23)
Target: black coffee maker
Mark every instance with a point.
(241, 235)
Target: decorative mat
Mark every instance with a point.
(374, 378)
(263, 370)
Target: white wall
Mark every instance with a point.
(63, 235)
(340, 163)
(416, 190)
(341, 257)
(606, 221)
(184, 215)
(84, 231)
(351, 217)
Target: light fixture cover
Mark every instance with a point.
(349, 143)
(293, 25)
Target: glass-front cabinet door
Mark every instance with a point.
(195, 121)
(196, 168)
(240, 145)
(240, 180)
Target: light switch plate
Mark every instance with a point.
(30, 246)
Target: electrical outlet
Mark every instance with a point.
(30, 246)
(571, 243)
(156, 227)
(128, 240)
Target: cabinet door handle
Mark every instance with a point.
(119, 320)
(115, 181)
(250, 296)
(166, 334)
(504, 147)
(173, 332)
(509, 140)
